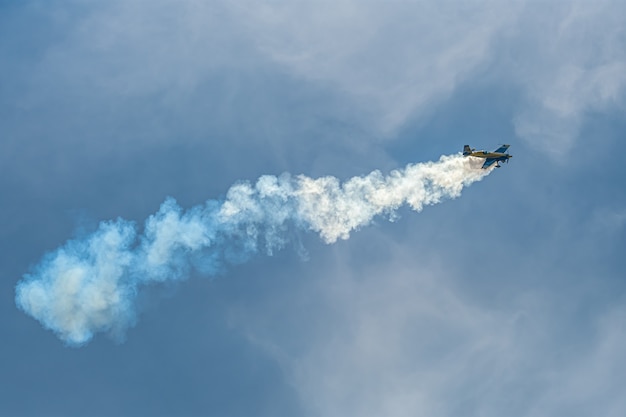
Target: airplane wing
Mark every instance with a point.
(489, 162)
(502, 149)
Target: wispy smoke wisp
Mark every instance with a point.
(90, 285)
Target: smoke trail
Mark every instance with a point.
(90, 285)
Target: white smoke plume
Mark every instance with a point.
(90, 285)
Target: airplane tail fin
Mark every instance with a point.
(467, 150)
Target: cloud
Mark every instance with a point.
(592, 383)
(391, 338)
(570, 60)
(607, 221)
(397, 335)
(400, 61)
(380, 65)
(126, 49)
(392, 60)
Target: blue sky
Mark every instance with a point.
(508, 300)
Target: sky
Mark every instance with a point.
(506, 298)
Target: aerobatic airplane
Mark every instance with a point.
(490, 157)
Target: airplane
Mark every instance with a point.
(490, 157)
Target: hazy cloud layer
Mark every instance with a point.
(397, 61)
(393, 61)
(572, 62)
(387, 63)
(407, 340)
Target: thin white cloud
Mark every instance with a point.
(394, 60)
(387, 62)
(398, 61)
(570, 58)
(391, 340)
(593, 384)
(398, 337)
(127, 49)
(608, 220)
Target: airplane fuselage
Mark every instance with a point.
(489, 157)
(494, 155)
